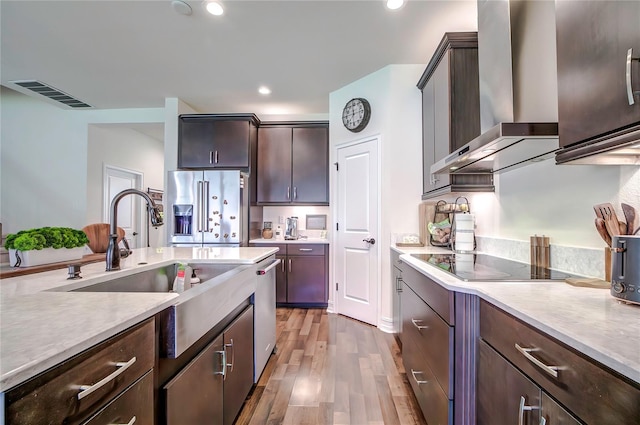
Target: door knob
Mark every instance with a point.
(135, 233)
(370, 240)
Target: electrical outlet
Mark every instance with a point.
(281, 219)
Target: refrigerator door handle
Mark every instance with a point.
(199, 209)
(205, 213)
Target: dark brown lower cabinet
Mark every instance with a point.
(505, 396)
(135, 405)
(213, 386)
(195, 395)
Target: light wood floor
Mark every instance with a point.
(330, 369)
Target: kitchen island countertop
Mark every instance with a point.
(589, 320)
(39, 328)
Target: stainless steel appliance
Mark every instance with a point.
(625, 268)
(482, 267)
(291, 232)
(207, 208)
(264, 314)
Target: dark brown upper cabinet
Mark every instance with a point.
(450, 111)
(225, 141)
(293, 164)
(598, 46)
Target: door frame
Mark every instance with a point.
(106, 202)
(333, 306)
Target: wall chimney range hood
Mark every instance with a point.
(503, 147)
(518, 90)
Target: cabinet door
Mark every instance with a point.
(442, 116)
(231, 144)
(306, 280)
(428, 136)
(274, 165)
(195, 143)
(208, 143)
(281, 280)
(195, 395)
(554, 414)
(593, 39)
(238, 344)
(310, 165)
(500, 391)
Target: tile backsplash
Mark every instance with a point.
(575, 260)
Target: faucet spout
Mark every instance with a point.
(155, 216)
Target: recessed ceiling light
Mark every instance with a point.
(264, 90)
(181, 7)
(214, 7)
(394, 4)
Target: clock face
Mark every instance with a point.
(356, 114)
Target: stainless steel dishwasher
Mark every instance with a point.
(264, 315)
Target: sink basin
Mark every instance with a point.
(196, 310)
(156, 280)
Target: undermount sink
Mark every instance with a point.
(155, 280)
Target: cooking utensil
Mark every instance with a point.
(607, 212)
(633, 220)
(622, 227)
(602, 230)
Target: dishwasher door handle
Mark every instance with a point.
(269, 267)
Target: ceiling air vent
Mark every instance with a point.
(51, 93)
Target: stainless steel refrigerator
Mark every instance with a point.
(208, 208)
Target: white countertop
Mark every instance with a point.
(294, 241)
(589, 320)
(41, 329)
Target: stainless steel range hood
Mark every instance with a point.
(518, 90)
(504, 147)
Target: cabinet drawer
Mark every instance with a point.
(53, 396)
(305, 249)
(438, 298)
(434, 403)
(135, 404)
(594, 394)
(431, 336)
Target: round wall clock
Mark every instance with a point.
(356, 114)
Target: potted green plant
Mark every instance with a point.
(45, 245)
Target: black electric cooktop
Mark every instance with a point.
(473, 267)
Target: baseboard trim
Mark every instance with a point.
(385, 324)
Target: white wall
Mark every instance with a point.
(396, 117)
(122, 147)
(43, 173)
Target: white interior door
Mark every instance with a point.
(356, 258)
(129, 208)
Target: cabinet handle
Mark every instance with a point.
(415, 323)
(85, 390)
(418, 381)
(200, 204)
(551, 370)
(305, 249)
(543, 421)
(630, 92)
(216, 157)
(523, 408)
(295, 192)
(288, 192)
(131, 422)
(398, 284)
(289, 265)
(283, 270)
(210, 157)
(233, 355)
(223, 369)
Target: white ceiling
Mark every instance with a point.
(134, 54)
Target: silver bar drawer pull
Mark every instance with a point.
(418, 381)
(524, 408)
(526, 352)
(131, 422)
(85, 390)
(415, 323)
(305, 249)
